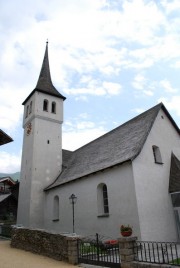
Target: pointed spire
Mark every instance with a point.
(44, 83)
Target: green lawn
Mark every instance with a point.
(90, 248)
(176, 261)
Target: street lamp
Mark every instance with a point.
(73, 200)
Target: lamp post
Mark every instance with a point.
(73, 200)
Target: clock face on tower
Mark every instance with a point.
(28, 129)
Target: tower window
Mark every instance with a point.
(157, 154)
(30, 107)
(53, 107)
(27, 111)
(45, 105)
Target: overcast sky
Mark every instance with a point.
(112, 59)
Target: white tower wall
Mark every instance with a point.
(41, 157)
(42, 147)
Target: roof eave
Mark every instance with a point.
(171, 119)
(42, 91)
(6, 138)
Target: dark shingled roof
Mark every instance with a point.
(174, 180)
(66, 154)
(44, 83)
(117, 146)
(4, 138)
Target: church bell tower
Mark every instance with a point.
(42, 147)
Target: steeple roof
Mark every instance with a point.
(44, 83)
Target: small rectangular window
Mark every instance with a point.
(30, 107)
(157, 154)
(56, 208)
(53, 108)
(27, 111)
(45, 105)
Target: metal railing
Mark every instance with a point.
(157, 252)
(98, 250)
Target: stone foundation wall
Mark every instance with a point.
(64, 247)
(56, 246)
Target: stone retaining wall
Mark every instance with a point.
(64, 247)
(56, 246)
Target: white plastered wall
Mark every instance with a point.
(122, 204)
(155, 209)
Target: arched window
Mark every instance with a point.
(53, 107)
(105, 199)
(157, 154)
(27, 111)
(45, 105)
(30, 107)
(56, 208)
(102, 199)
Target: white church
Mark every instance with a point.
(131, 175)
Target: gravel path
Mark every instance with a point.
(16, 258)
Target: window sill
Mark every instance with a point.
(103, 215)
(55, 220)
(159, 163)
